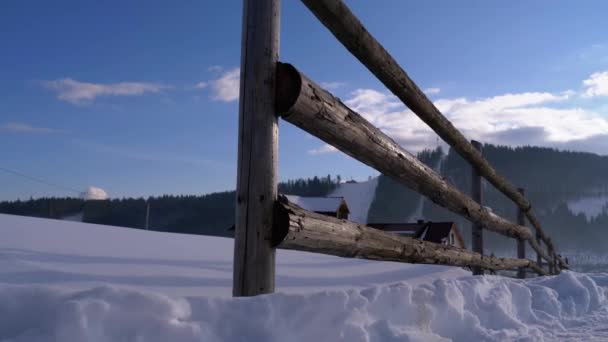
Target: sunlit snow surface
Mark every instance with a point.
(66, 281)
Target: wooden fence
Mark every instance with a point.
(270, 89)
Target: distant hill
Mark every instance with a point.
(568, 190)
(210, 214)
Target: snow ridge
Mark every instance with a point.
(567, 307)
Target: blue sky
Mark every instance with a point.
(140, 98)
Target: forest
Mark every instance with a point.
(550, 177)
(211, 214)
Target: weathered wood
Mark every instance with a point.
(347, 28)
(539, 259)
(254, 257)
(477, 195)
(521, 244)
(304, 104)
(552, 269)
(299, 229)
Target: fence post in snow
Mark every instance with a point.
(476, 194)
(521, 244)
(256, 190)
(539, 259)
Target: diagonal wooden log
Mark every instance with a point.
(346, 27)
(299, 229)
(304, 104)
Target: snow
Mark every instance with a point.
(591, 206)
(318, 204)
(77, 255)
(358, 197)
(69, 281)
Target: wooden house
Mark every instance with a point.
(446, 233)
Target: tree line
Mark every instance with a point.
(211, 214)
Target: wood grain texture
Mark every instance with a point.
(477, 195)
(326, 117)
(521, 244)
(302, 230)
(257, 176)
(346, 27)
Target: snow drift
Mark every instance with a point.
(566, 307)
(67, 281)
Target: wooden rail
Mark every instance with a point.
(349, 31)
(306, 105)
(299, 229)
(264, 222)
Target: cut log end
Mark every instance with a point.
(288, 87)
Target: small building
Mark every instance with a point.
(446, 233)
(330, 206)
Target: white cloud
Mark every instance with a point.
(596, 85)
(19, 127)
(201, 85)
(323, 149)
(226, 88)
(94, 193)
(77, 92)
(332, 85)
(215, 68)
(535, 118)
(430, 91)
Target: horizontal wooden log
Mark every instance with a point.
(346, 27)
(299, 229)
(304, 104)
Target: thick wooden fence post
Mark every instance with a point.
(521, 244)
(476, 194)
(256, 190)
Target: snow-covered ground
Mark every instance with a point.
(69, 281)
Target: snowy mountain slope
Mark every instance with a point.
(358, 196)
(66, 281)
(591, 205)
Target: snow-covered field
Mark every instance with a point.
(69, 281)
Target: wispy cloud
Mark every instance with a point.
(323, 149)
(332, 85)
(77, 92)
(596, 85)
(430, 91)
(20, 127)
(226, 87)
(147, 155)
(556, 119)
(215, 68)
(201, 85)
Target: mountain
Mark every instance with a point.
(568, 191)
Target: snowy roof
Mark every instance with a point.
(317, 204)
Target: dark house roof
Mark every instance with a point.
(319, 204)
(427, 231)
